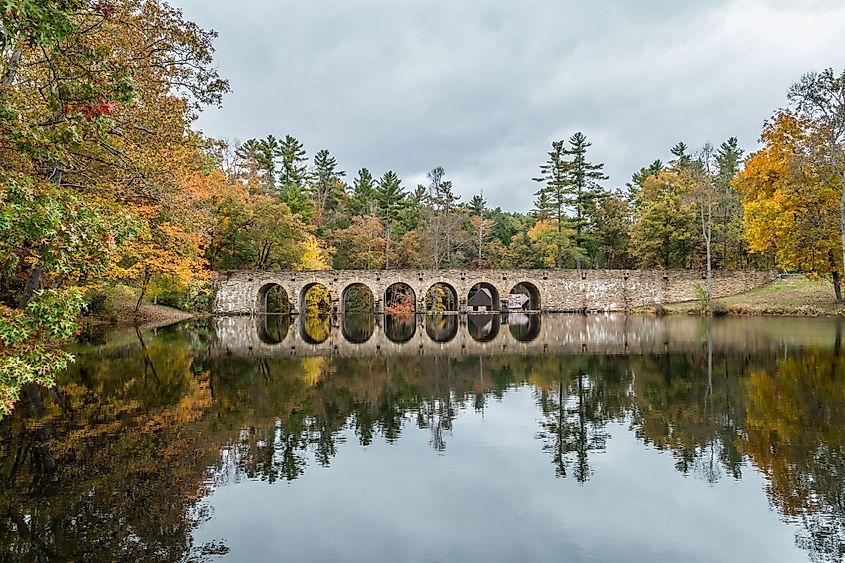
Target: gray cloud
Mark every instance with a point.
(482, 88)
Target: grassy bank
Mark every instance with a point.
(791, 297)
(119, 310)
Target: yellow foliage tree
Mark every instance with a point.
(791, 211)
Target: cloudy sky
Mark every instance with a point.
(482, 87)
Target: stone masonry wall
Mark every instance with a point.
(241, 292)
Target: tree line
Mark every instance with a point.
(106, 182)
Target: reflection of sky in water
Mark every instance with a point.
(491, 495)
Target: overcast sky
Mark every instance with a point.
(482, 87)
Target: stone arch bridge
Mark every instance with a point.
(245, 292)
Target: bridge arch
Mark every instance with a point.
(318, 296)
(272, 329)
(482, 297)
(441, 297)
(272, 299)
(357, 297)
(524, 327)
(531, 291)
(314, 329)
(400, 298)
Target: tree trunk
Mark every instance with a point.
(144, 284)
(558, 261)
(33, 283)
(837, 286)
(841, 226)
(11, 72)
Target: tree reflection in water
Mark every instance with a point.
(400, 328)
(441, 328)
(273, 329)
(314, 328)
(160, 419)
(359, 327)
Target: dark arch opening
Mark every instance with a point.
(315, 329)
(441, 328)
(272, 329)
(315, 300)
(524, 297)
(524, 327)
(272, 300)
(357, 328)
(483, 297)
(399, 298)
(483, 327)
(400, 328)
(357, 298)
(440, 298)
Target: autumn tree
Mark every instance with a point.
(97, 98)
(819, 98)
(361, 245)
(664, 233)
(791, 205)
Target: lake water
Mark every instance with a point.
(482, 438)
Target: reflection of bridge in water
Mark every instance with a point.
(491, 334)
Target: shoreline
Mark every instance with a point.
(120, 313)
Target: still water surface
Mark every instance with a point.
(489, 438)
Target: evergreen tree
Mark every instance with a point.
(553, 197)
(293, 177)
(327, 184)
(584, 188)
(682, 157)
(390, 196)
(363, 199)
(294, 169)
(477, 204)
(728, 236)
(635, 186)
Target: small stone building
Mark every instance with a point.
(518, 301)
(481, 301)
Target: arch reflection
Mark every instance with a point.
(358, 328)
(483, 327)
(524, 327)
(441, 328)
(315, 329)
(400, 328)
(272, 299)
(272, 329)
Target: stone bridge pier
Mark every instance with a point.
(245, 292)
